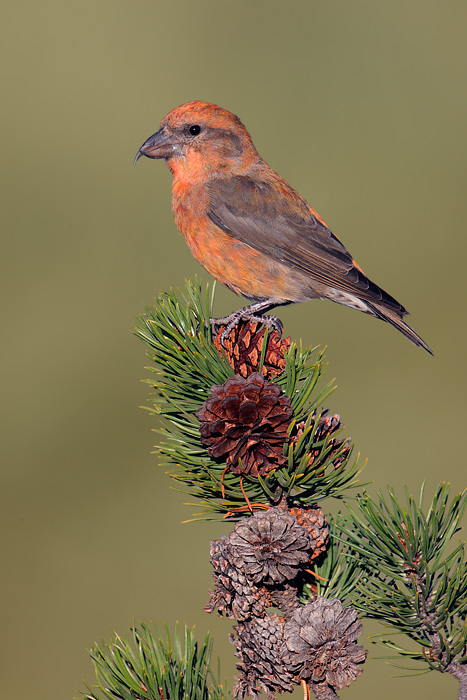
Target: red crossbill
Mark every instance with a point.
(249, 228)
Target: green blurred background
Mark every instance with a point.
(359, 105)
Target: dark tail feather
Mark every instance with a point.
(404, 328)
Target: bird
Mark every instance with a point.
(250, 229)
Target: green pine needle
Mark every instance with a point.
(185, 367)
(415, 580)
(336, 571)
(146, 666)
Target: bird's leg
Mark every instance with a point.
(254, 312)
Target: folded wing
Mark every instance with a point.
(274, 220)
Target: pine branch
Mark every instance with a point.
(337, 572)
(146, 666)
(244, 431)
(418, 587)
(188, 367)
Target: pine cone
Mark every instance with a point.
(243, 347)
(234, 595)
(312, 519)
(286, 598)
(270, 547)
(263, 658)
(327, 424)
(321, 637)
(247, 420)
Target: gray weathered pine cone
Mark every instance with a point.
(263, 658)
(321, 638)
(270, 547)
(286, 598)
(234, 595)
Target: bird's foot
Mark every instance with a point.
(245, 314)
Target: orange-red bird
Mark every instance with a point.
(247, 226)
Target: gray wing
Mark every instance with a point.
(274, 220)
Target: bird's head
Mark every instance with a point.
(199, 137)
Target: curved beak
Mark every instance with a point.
(159, 145)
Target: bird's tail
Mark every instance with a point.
(396, 321)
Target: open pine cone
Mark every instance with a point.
(270, 547)
(234, 595)
(286, 598)
(247, 420)
(321, 638)
(243, 347)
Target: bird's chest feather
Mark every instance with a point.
(235, 264)
(207, 243)
(189, 205)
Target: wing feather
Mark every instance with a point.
(273, 219)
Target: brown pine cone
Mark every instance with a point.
(312, 519)
(286, 598)
(247, 420)
(263, 658)
(270, 547)
(327, 425)
(321, 638)
(243, 347)
(250, 601)
(234, 595)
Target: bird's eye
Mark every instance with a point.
(194, 130)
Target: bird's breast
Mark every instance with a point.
(235, 264)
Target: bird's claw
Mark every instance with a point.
(270, 322)
(242, 315)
